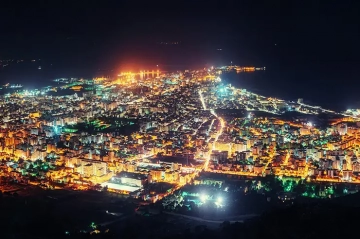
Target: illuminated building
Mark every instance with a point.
(240, 156)
(218, 156)
(156, 175)
(304, 131)
(342, 129)
(131, 179)
(89, 168)
(126, 182)
(239, 147)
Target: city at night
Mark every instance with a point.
(188, 119)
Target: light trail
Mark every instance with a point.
(219, 133)
(202, 100)
(210, 127)
(222, 125)
(250, 174)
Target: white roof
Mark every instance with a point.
(120, 187)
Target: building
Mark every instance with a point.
(130, 179)
(125, 182)
(218, 156)
(89, 168)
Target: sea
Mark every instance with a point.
(329, 86)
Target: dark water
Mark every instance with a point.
(336, 89)
(332, 85)
(29, 74)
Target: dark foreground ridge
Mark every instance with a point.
(73, 215)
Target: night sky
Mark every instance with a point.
(113, 34)
(246, 30)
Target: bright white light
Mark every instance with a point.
(310, 124)
(249, 116)
(203, 198)
(219, 202)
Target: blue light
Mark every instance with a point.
(56, 130)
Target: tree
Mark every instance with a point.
(173, 201)
(339, 189)
(300, 189)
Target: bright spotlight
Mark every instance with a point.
(219, 200)
(203, 198)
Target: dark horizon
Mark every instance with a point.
(109, 35)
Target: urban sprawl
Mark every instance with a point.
(149, 134)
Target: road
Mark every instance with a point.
(195, 132)
(218, 134)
